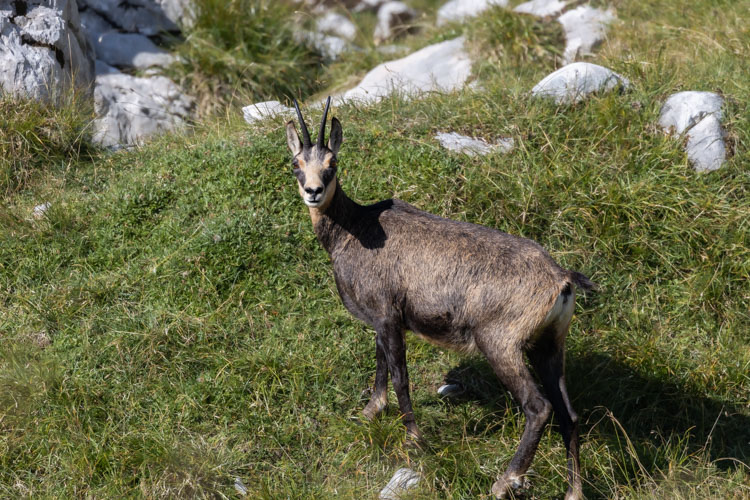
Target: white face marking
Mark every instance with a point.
(312, 186)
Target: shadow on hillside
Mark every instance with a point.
(650, 410)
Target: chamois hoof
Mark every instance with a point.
(509, 484)
(373, 409)
(415, 440)
(573, 494)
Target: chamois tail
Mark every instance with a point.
(582, 282)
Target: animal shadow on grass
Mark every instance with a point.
(652, 410)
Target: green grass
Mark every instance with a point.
(35, 137)
(244, 50)
(172, 324)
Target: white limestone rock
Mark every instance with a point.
(147, 17)
(541, 8)
(393, 20)
(698, 116)
(402, 481)
(261, 110)
(330, 47)
(180, 12)
(572, 83)
(585, 27)
(449, 391)
(368, 5)
(240, 487)
(130, 109)
(443, 67)
(130, 50)
(43, 49)
(458, 10)
(471, 146)
(41, 209)
(338, 25)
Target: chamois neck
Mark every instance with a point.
(332, 222)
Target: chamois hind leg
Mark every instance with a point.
(390, 340)
(379, 399)
(548, 359)
(508, 365)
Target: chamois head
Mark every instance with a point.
(315, 166)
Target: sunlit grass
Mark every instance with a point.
(171, 323)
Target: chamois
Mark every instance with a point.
(455, 284)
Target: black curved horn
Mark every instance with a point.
(305, 134)
(322, 133)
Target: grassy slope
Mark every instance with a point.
(172, 324)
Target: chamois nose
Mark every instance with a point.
(314, 191)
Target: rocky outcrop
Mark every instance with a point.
(572, 83)
(130, 50)
(130, 108)
(44, 51)
(443, 67)
(458, 10)
(697, 116)
(146, 17)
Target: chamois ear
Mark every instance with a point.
(292, 139)
(337, 136)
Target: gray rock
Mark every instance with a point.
(44, 51)
(403, 480)
(698, 116)
(41, 209)
(338, 25)
(261, 110)
(451, 391)
(392, 50)
(180, 12)
(146, 17)
(572, 83)
(393, 20)
(471, 146)
(240, 487)
(130, 50)
(444, 67)
(130, 109)
(585, 27)
(458, 10)
(94, 25)
(330, 47)
(541, 8)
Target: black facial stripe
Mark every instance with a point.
(300, 175)
(328, 175)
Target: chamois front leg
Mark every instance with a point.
(390, 339)
(379, 399)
